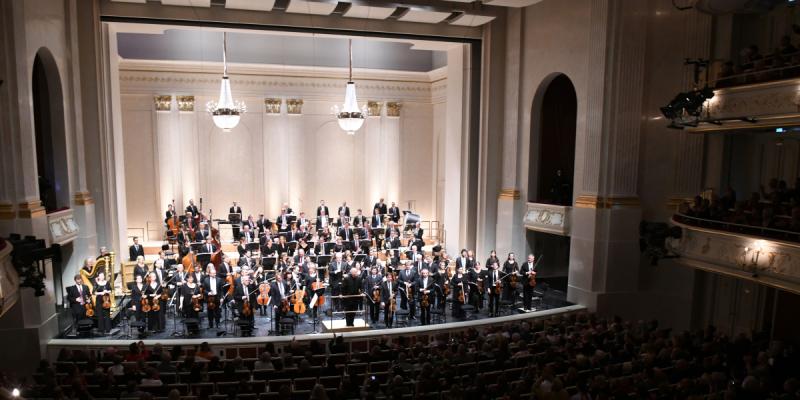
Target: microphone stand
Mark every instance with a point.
(126, 327)
(224, 330)
(174, 304)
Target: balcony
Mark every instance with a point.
(743, 254)
(62, 226)
(548, 218)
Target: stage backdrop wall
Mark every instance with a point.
(297, 154)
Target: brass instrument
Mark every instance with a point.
(103, 264)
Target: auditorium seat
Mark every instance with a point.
(275, 384)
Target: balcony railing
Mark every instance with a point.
(738, 250)
(751, 230)
(62, 226)
(548, 218)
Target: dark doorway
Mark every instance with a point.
(48, 119)
(553, 250)
(553, 142)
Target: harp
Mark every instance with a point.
(102, 264)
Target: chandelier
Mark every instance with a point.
(350, 117)
(226, 112)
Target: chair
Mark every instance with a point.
(379, 366)
(168, 377)
(226, 387)
(304, 383)
(259, 386)
(263, 374)
(301, 394)
(401, 317)
(275, 384)
(286, 325)
(182, 388)
(202, 388)
(330, 381)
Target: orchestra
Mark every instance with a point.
(298, 266)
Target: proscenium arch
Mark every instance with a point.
(51, 141)
(552, 142)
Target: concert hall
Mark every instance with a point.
(399, 199)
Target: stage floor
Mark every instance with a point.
(265, 325)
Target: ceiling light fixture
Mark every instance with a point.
(350, 117)
(226, 112)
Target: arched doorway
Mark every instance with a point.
(552, 158)
(553, 117)
(48, 120)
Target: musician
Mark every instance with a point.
(302, 221)
(135, 250)
(191, 208)
(198, 274)
(339, 247)
(417, 231)
(322, 220)
(247, 260)
(425, 286)
(189, 292)
(241, 248)
(203, 233)
(394, 212)
(137, 293)
(475, 279)
(351, 286)
(283, 221)
(492, 277)
(170, 213)
(188, 221)
(345, 232)
(208, 247)
(282, 246)
(388, 292)
(303, 246)
(247, 233)
(357, 246)
(212, 286)
(322, 209)
(235, 209)
(269, 249)
(179, 278)
(293, 235)
(372, 258)
(88, 265)
(459, 286)
(419, 264)
(359, 220)
(245, 293)
(380, 206)
(463, 261)
(103, 252)
(510, 267)
(263, 223)
(311, 279)
(440, 278)
(279, 299)
(336, 270)
(140, 269)
(408, 280)
(158, 270)
(156, 320)
(250, 222)
(78, 295)
(285, 207)
(527, 270)
(371, 287)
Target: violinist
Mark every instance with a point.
(192, 209)
(336, 270)
(388, 292)
(137, 292)
(425, 288)
(101, 288)
(247, 233)
(476, 279)
(394, 212)
(140, 269)
(510, 267)
(282, 246)
(527, 270)
(198, 274)
(293, 235)
(302, 245)
(313, 279)
(459, 286)
(407, 279)
(170, 213)
(439, 275)
(241, 248)
(492, 278)
(283, 221)
(247, 260)
(279, 299)
(213, 288)
(209, 246)
(492, 259)
(339, 247)
(371, 287)
(322, 219)
(269, 249)
(250, 223)
(191, 293)
(179, 278)
(156, 319)
(225, 268)
(463, 261)
(357, 246)
(158, 269)
(78, 295)
(372, 259)
(359, 220)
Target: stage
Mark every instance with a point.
(264, 326)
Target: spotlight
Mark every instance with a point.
(15, 393)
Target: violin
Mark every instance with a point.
(107, 301)
(230, 279)
(446, 288)
(196, 301)
(299, 305)
(156, 306)
(145, 304)
(211, 299)
(263, 294)
(376, 294)
(409, 292)
(532, 279)
(87, 304)
(498, 286)
(246, 310)
(165, 293)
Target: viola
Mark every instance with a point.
(446, 288)
(532, 279)
(211, 299)
(155, 306)
(424, 302)
(263, 294)
(246, 309)
(498, 287)
(284, 306)
(87, 304)
(461, 298)
(145, 305)
(196, 301)
(299, 305)
(165, 293)
(107, 301)
(376, 294)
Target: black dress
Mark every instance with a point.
(187, 306)
(103, 314)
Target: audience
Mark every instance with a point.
(753, 67)
(576, 356)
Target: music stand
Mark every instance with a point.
(360, 258)
(252, 246)
(235, 218)
(196, 246)
(268, 262)
(292, 246)
(203, 259)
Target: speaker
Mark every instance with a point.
(85, 327)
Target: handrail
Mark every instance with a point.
(763, 231)
(735, 77)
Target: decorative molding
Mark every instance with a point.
(62, 226)
(548, 218)
(374, 108)
(7, 211)
(163, 102)
(31, 209)
(272, 105)
(294, 106)
(185, 103)
(393, 109)
(82, 198)
(759, 99)
(594, 201)
(509, 194)
(768, 262)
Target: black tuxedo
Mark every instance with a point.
(249, 237)
(394, 213)
(346, 234)
(387, 294)
(527, 289)
(464, 262)
(490, 279)
(283, 222)
(192, 209)
(381, 208)
(275, 299)
(263, 224)
(408, 277)
(74, 297)
(359, 220)
(208, 248)
(320, 208)
(351, 286)
(425, 312)
(345, 210)
(235, 210)
(239, 294)
(134, 251)
(375, 221)
(319, 222)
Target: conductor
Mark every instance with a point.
(351, 286)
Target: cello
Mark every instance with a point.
(297, 299)
(263, 294)
(315, 286)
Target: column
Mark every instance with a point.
(186, 141)
(166, 160)
(374, 164)
(453, 149)
(295, 142)
(390, 126)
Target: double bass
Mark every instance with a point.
(172, 223)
